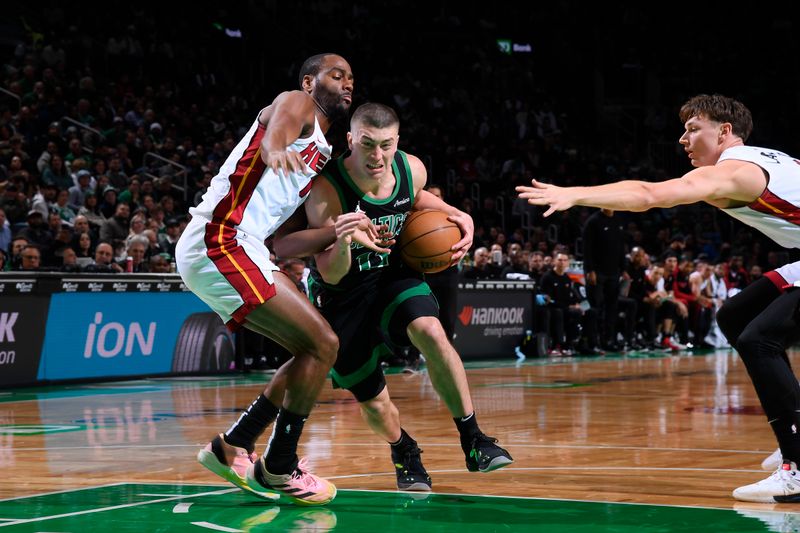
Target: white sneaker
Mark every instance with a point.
(773, 461)
(782, 486)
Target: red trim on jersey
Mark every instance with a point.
(777, 280)
(231, 208)
(222, 246)
(305, 190)
(773, 205)
(239, 270)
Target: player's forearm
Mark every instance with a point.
(426, 200)
(304, 243)
(620, 196)
(334, 263)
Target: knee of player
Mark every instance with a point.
(380, 406)
(427, 327)
(327, 346)
(753, 342)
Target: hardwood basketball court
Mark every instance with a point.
(644, 442)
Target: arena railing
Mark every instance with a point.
(181, 172)
(9, 94)
(89, 134)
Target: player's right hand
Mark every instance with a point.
(557, 198)
(358, 227)
(284, 162)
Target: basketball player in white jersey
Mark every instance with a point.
(760, 187)
(222, 258)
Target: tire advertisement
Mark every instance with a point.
(22, 319)
(128, 334)
(492, 319)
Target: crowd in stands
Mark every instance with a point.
(110, 130)
(665, 302)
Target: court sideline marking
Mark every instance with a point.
(111, 508)
(428, 444)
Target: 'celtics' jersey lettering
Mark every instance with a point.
(391, 211)
(367, 259)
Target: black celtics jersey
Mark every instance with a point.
(367, 265)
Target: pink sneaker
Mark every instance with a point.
(301, 486)
(231, 463)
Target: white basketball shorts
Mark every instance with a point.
(226, 268)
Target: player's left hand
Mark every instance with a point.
(467, 227)
(558, 198)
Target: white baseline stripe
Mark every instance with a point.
(216, 527)
(429, 444)
(181, 508)
(115, 507)
(509, 469)
(606, 502)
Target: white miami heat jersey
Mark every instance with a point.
(776, 213)
(248, 196)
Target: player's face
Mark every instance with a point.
(373, 148)
(332, 88)
(702, 141)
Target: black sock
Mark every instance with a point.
(253, 422)
(403, 443)
(281, 458)
(467, 428)
(788, 440)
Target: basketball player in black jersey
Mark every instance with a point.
(376, 304)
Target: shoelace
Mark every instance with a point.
(299, 472)
(412, 459)
(785, 476)
(481, 438)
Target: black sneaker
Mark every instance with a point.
(411, 474)
(485, 455)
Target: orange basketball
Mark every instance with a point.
(425, 240)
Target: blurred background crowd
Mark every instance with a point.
(113, 122)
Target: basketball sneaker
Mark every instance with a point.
(411, 474)
(485, 455)
(773, 461)
(231, 463)
(782, 486)
(668, 343)
(301, 486)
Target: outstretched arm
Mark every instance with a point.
(729, 180)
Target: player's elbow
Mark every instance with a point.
(645, 198)
(331, 279)
(331, 276)
(281, 247)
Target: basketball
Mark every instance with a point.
(425, 240)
